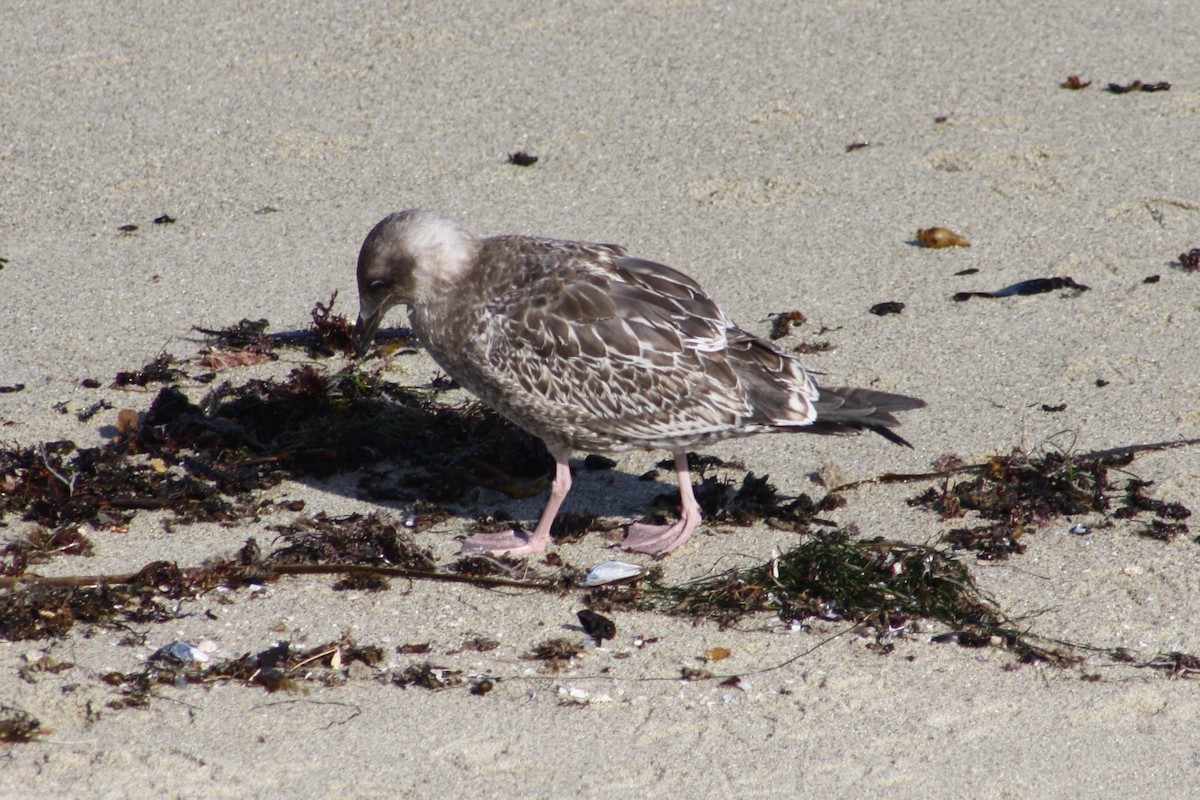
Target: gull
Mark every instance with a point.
(591, 349)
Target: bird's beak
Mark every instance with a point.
(366, 327)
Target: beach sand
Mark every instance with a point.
(711, 137)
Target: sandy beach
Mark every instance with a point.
(784, 155)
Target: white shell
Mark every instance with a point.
(180, 653)
(612, 572)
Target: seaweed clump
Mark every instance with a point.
(1017, 494)
(880, 584)
(279, 667)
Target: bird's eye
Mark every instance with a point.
(377, 286)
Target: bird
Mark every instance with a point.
(591, 349)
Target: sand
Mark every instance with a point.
(712, 137)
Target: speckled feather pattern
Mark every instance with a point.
(591, 349)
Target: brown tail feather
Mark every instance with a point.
(842, 410)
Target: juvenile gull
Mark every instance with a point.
(592, 349)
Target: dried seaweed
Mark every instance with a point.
(1190, 261)
(280, 667)
(1176, 664)
(877, 583)
(1031, 286)
(427, 676)
(160, 370)
(886, 308)
(782, 323)
(352, 539)
(1021, 493)
(556, 653)
(522, 159)
(18, 725)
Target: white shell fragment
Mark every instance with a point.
(612, 572)
(180, 653)
(1081, 530)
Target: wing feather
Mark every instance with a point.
(628, 352)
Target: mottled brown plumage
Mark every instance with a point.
(591, 349)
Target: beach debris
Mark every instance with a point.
(607, 572)
(1138, 86)
(782, 323)
(41, 545)
(94, 409)
(522, 159)
(160, 370)
(481, 686)
(427, 676)
(1075, 82)
(755, 500)
(987, 542)
(716, 654)
(1161, 531)
(1017, 494)
(1190, 260)
(1049, 409)
(356, 539)
(164, 219)
(1177, 664)
(695, 674)
(850, 148)
(1020, 493)
(593, 462)
(883, 309)
(571, 527)
(362, 582)
(937, 238)
(808, 348)
(12, 389)
(127, 228)
(279, 667)
(1151, 279)
(597, 626)
(967, 271)
(18, 725)
(179, 652)
(883, 585)
(1032, 286)
(245, 334)
(1135, 501)
(479, 644)
(247, 342)
(556, 653)
(1079, 529)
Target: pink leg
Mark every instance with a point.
(521, 544)
(658, 540)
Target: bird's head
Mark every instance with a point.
(404, 258)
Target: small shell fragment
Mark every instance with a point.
(180, 653)
(940, 237)
(612, 572)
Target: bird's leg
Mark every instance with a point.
(658, 540)
(515, 543)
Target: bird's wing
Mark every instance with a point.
(625, 348)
